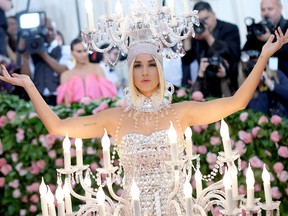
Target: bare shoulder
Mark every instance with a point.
(111, 117)
(66, 75)
(97, 69)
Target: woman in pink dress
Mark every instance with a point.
(84, 80)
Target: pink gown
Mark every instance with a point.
(91, 86)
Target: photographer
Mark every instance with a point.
(48, 62)
(212, 75)
(271, 94)
(271, 13)
(210, 31)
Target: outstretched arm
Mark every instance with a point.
(211, 111)
(82, 127)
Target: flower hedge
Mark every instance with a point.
(28, 152)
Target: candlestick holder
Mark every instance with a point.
(271, 208)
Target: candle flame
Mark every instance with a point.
(50, 196)
(66, 143)
(105, 140)
(188, 133)
(78, 143)
(59, 193)
(119, 8)
(43, 188)
(172, 134)
(88, 5)
(265, 175)
(224, 130)
(250, 180)
(100, 195)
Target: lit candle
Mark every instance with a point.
(108, 5)
(60, 203)
(67, 156)
(106, 150)
(189, 143)
(119, 8)
(187, 189)
(172, 9)
(43, 197)
(198, 178)
(250, 181)
(267, 186)
(88, 183)
(67, 196)
(50, 201)
(233, 172)
(89, 11)
(224, 131)
(172, 134)
(101, 201)
(228, 192)
(135, 199)
(79, 152)
(186, 6)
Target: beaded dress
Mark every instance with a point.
(144, 157)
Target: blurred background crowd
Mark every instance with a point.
(217, 60)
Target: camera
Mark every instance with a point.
(214, 65)
(200, 28)
(257, 29)
(32, 28)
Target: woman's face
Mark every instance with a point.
(145, 74)
(80, 54)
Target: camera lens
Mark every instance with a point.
(199, 29)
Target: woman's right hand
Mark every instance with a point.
(15, 79)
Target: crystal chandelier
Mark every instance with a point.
(223, 193)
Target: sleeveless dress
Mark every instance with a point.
(91, 86)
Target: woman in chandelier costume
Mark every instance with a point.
(140, 130)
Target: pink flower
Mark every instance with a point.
(215, 140)
(120, 192)
(11, 115)
(204, 127)
(276, 193)
(34, 198)
(240, 147)
(23, 212)
(20, 135)
(242, 189)
(275, 137)
(24, 199)
(2, 182)
(16, 193)
(14, 184)
(217, 125)
(255, 131)
(256, 162)
(50, 140)
(3, 121)
(41, 164)
(2, 162)
(101, 107)
(181, 93)
(202, 149)
(243, 165)
(5, 169)
(59, 162)
(52, 154)
(73, 152)
(90, 151)
(197, 129)
(257, 187)
(262, 119)
(276, 120)
(283, 176)
(14, 157)
(32, 115)
(243, 116)
(94, 166)
(1, 148)
(120, 103)
(278, 167)
(78, 112)
(283, 151)
(245, 136)
(211, 158)
(86, 100)
(216, 211)
(32, 208)
(198, 96)
(33, 187)
(34, 169)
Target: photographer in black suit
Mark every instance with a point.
(211, 30)
(258, 34)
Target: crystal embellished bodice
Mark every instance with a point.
(143, 158)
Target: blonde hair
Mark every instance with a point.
(133, 89)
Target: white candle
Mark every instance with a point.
(67, 197)
(198, 178)
(186, 6)
(224, 131)
(233, 172)
(60, 203)
(135, 199)
(108, 5)
(43, 197)
(106, 150)
(189, 143)
(172, 9)
(101, 201)
(50, 201)
(89, 11)
(267, 186)
(228, 192)
(67, 156)
(172, 134)
(119, 8)
(187, 189)
(79, 152)
(250, 181)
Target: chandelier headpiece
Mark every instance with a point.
(160, 27)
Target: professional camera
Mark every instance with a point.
(257, 29)
(214, 65)
(32, 28)
(201, 28)
(248, 55)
